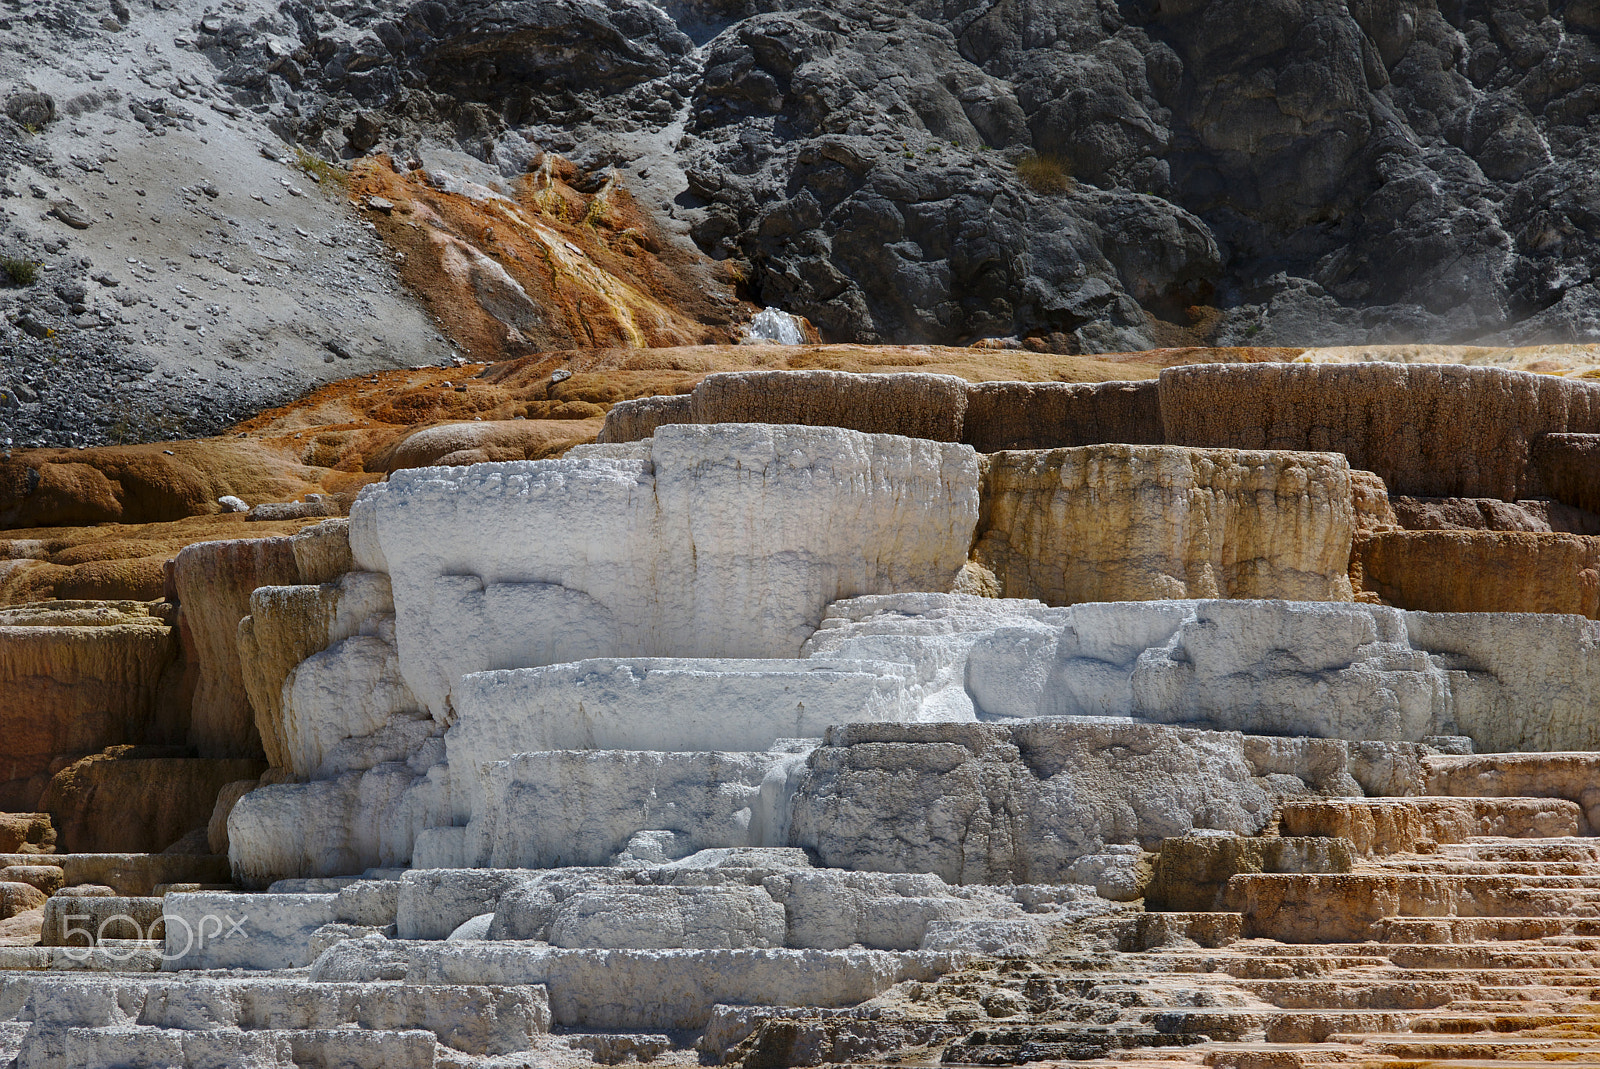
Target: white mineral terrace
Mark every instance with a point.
(705, 733)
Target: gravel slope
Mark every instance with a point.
(213, 278)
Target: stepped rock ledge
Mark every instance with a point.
(1242, 715)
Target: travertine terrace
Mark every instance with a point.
(1243, 715)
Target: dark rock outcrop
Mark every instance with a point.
(1328, 172)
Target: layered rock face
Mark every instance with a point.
(1490, 514)
(666, 554)
(286, 672)
(131, 800)
(1034, 803)
(617, 805)
(1110, 523)
(76, 677)
(1421, 427)
(727, 541)
(240, 671)
(1354, 674)
(411, 692)
(1481, 571)
(1434, 431)
(214, 581)
(1569, 465)
(709, 732)
(1508, 681)
(988, 416)
(26, 833)
(1428, 430)
(918, 406)
(683, 546)
(1047, 415)
(1362, 673)
(670, 704)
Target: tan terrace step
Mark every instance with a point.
(1246, 969)
(1499, 1006)
(1506, 1022)
(1346, 907)
(1475, 1046)
(1569, 848)
(1254, 960)
(1448, 866)
(1483, 929)
(1185, 992)
(1401, 825)
(130, 874)
(1486, 1062)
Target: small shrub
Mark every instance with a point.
(21, 272)
(1044, 173)
(321, 171)
(600, 205)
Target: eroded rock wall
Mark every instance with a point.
(633, 420)
(1509, 681)
(1374, 509)
(1518, 681)
(988, 416)
(1481, 571)
(918, 406)
(1490, 514)
(75, 677)
(336, 826)
(1443, 430)
(214, 582)
(936, 636)
(1569, 465)
(1051, 415)
(662, 704)
(1021, 803)
(322, 552)
(1353, 673)
(589, 632)
(1118, 522)
(576, 807)
(729, 541)
(137, 799)
(287, 627)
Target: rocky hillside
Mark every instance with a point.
(183, 248)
